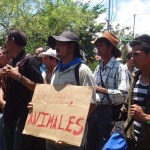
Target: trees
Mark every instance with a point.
(41, 18)
(125, 36)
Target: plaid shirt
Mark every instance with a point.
(115, 79)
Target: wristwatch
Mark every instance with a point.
(19, 78)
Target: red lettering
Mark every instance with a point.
(59, 127)
(76, 133)
(30, 120)
(69, 123)
(44, 115)
(35, 119)
(50, 120)
(53, 126)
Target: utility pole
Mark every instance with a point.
(108, 20)
(133, 24)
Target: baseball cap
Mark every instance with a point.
(66, 36)
(49, 52)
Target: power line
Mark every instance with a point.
(143, 13)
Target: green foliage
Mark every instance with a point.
(41, 18)
(125, 36)
(93, 64)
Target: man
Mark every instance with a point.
(4, 59)
(50, 60)
(140, 94)
(39, 60)
(111, 90)
(68, 51)
(21, 76)
(130, 68)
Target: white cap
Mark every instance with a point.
(49, 52)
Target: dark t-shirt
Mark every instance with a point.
(17, 95)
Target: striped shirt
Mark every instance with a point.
(139, 94)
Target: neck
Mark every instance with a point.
(130, 68)
(67, 60)
(16, 52)
(146, 76)
(106, 60)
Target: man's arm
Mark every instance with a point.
(15, 74)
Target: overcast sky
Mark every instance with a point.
(123, 12)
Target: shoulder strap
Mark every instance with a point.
(76, 73)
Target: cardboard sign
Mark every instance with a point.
(59, 113)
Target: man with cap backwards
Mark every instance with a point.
(50, 60)
(68, 51)
(111, 90)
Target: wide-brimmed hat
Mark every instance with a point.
(49, 52)
(113, 40)
(66, 36)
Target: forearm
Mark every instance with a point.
(28, 83)
(146, 118)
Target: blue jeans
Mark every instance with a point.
(98, 125)
(1, 132)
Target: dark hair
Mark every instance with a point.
(76, 49)
(106, 41)
(143, 41)
(18, 36)
(114, 51)
(129, 55)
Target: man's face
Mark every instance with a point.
(103, 49)
(49, 63)
(130, 62)
(139, 58)
(63, 50)
(9, 45)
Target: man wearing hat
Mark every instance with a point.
(111, 90)
(68, 51)
(50, 60)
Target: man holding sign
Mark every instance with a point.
(70, 70)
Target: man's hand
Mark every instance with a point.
(10, 71)
(100, 89)
(137, 113)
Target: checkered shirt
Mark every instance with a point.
(115, 79)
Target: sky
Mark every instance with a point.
(123, 11)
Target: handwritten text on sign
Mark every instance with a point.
(59, 113)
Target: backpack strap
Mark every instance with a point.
(76, 73)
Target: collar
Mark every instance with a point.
(18, 58)
(63, 67)
(110, 63)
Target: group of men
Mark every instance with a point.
(110, 83)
